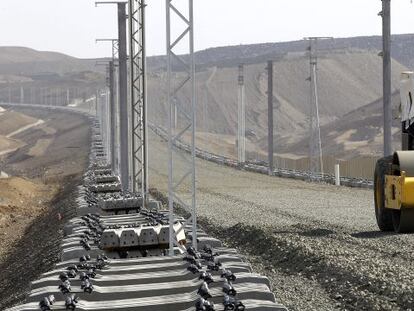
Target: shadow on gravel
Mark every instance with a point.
(372, 234)
(347, 288)
(39, 249)
(307, 233)
(350, 291)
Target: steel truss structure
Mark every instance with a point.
(114, 45)
(138, 109)
(315, 143)
(185, 114)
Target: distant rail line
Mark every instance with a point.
(262, 167)
(252, 166)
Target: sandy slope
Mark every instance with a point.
(45, 172)
(347, 81)
(24, 198)
(21, 201)
(11, 121)
(8, 145)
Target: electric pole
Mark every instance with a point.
(113, 113)
(315, 143)
(123, 92)
(386, 87)
(270, 114)
(241, 118)
(21, 95)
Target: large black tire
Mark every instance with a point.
(403, 220)
(383, 215)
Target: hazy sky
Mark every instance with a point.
(71, 26)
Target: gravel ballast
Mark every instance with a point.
(319, 244)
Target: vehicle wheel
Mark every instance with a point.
(403, 220)
(383, 215)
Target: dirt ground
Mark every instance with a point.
(11, 121)
(8, 145)
(21, 201)
(37, 197)
(66, 135)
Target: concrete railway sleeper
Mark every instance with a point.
(114, 257)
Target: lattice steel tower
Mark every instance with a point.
(315, 143)
(185, 109)
(138, 98)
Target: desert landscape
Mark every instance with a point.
(317, 247)
(349, 92)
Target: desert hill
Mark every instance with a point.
(402, 51)
(25, 61)
(347, 81)
(47, 77)
(349, 84)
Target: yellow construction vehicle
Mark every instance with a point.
(394, 175)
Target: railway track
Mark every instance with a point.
(318, 245)
(113, 257)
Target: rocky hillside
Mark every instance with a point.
(347, 81)
(356, 133)
(350, 88)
